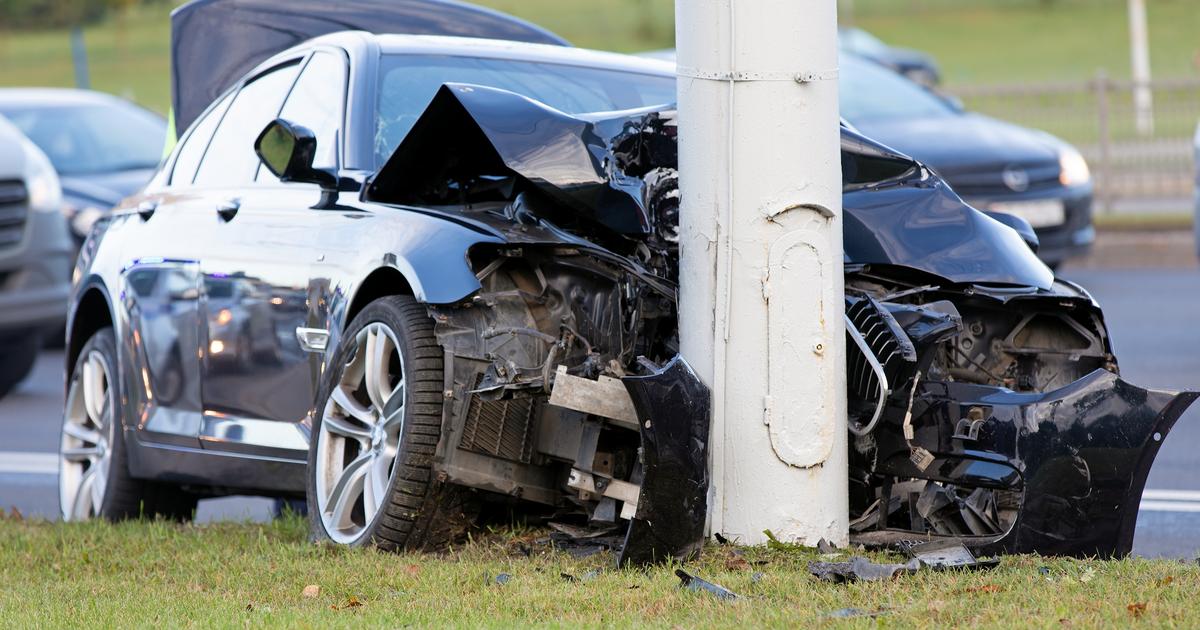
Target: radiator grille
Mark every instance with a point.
(13, 212)
(501, 428)
(887, 342)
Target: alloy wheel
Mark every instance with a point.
(85, 451)
(359, 435)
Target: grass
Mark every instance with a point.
(221, 575)
(1019, 41)
(1156, 221)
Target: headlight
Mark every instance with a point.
(45, 193)
(1073, 168)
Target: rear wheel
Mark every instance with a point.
(93, 477)
(371, 456)
(19, 354)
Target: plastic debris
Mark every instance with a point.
(941, 555)
(694, 583)
(860, 569)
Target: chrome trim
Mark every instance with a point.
(877, 368)
(312, 339)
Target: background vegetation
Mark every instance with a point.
(128, 42)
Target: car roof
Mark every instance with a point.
(522, 51)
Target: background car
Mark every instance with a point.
(35, 255)
(914, 64)
(1196, 187)
(103, 147)
(994, 165)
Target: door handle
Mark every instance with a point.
(228, 209)
(146, 209)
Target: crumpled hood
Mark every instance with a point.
(962, 142)
(474, 144)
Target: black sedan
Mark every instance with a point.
(995, 166)
(914, 64)
(103, 147)
(456, 262)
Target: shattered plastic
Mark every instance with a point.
(673, 407)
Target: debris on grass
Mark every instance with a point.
(1137, 609)
(941, 555)
(311, 591)
(351, 602)
(502, 579)
(848, 613)
(984, 588)
(691, 582)
(857, 569)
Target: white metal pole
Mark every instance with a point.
(761, 302)
(1139, 52)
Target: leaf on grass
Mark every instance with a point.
(1087, 575)
(1166, 581)
(351, 602)
(311, 591)
(1137, 609)
(413, 570)
(985, 588)
(736, 563)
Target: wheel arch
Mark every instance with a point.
(381, 282)
(92, 312)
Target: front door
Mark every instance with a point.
(258, 271)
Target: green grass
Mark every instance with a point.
(1020, 41)
(984, 41)
(224, 575)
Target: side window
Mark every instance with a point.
(316, 102)
(193, 146)
(230, 159)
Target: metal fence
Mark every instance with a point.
(1141, 165)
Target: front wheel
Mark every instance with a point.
(380, 417)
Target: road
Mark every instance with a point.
(1152, 315)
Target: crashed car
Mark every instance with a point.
(471, 250)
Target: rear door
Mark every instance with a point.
(258, 276)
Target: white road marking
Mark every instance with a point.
(28, 463)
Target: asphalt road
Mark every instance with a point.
(1152, 315)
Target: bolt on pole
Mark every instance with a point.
(761, 302)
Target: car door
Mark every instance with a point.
(259, 382)
(159, 296)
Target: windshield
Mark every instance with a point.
(868, 91)
(409, 82)
(88, 139)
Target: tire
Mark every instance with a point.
(19, 354)
(93, 477)
(370, 481)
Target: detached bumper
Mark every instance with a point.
(1079, 454)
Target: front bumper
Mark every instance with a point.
(1079, 456)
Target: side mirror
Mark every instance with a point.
(287, 150)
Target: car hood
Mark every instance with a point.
(475, 144)
(105, 190)
(963, 142)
